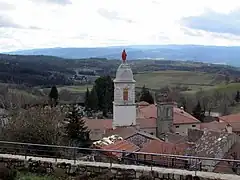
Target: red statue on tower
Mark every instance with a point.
(124, 56)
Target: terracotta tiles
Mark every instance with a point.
(121, 145)
(101, 124)
(214, 126)
(213, 144)
(161, 147)
(124, 132)
(225, 167)
(233, 120)
(179, 116)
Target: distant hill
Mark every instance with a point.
(208, 54)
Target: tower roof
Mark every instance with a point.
(124, 72)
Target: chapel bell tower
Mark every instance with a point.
(124, 106)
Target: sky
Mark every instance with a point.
(29, 24)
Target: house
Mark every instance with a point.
(161, 147)
(114, 142)
(211, 144)
(233, 120)
(217, 126)
(181, 120)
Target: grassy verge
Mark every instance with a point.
(30, 176)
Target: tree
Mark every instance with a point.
(146, 96)
(105, 93)
(87, 100)
(237, 97)
(53, 96)
(35, 125)
(76, 130)
(93, 99)
(198, 113)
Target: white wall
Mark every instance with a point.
(124, 115)
(182, 129)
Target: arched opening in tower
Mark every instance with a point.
(125, 94)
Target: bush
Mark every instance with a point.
(6, 173)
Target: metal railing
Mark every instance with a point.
(115, 156)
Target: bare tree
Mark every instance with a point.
(35, 125)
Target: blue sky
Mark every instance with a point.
(27, 24)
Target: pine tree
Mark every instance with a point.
(53, 96)
(237, 97)
(93, 99)
(76, 130)
(198, 113)
(87, 100)
(146, 96)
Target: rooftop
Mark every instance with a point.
(179, 116)
(212, 144)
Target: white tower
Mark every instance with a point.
(124, 106)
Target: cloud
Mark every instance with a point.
(95, 23)
(4, 6)
(6, 22)
(212, 21)
(59, 2)
(113, 15)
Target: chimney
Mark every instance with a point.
(229, 128)
(166, 138)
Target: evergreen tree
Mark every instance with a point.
(53, 96)
(105, 92)
(93, 99)
(76, 130)
(237, 97)
(198, 112)
(87, 100)
(146, 96)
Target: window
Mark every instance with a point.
(168, 112)
(194, 125)
(125, 94)
(177, 126)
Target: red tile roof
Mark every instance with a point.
(124, 132)
(214, 126)
(147, 116)
(233, 120)
(146, 123)
(179, 116)
(162, 147)
(102, 124)
(121, 145)
(142, 104)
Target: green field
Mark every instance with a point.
(77, 88)
(195, 81)
(159, 79)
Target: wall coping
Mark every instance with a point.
(210, 175)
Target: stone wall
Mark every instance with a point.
(83, 172)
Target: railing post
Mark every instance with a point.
(196, 164)
(74, 155)
(26, 150)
